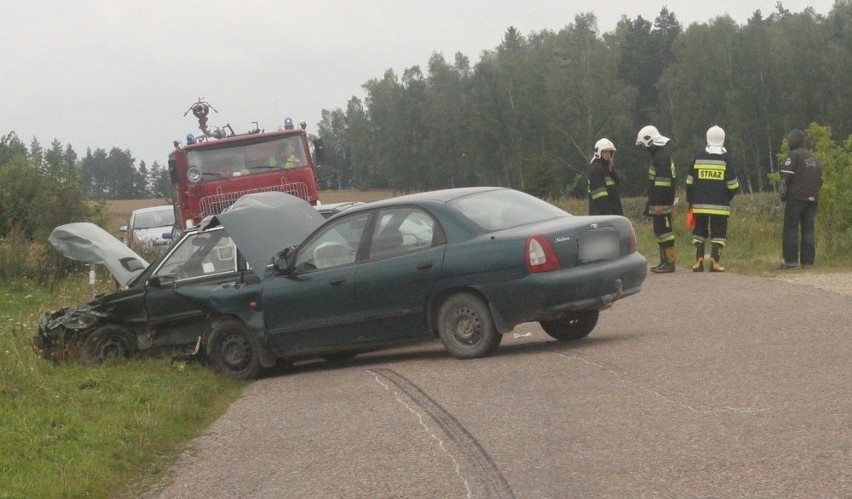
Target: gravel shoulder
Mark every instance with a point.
(839, 282)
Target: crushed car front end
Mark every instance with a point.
(61, 333)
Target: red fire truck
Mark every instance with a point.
(214, 169)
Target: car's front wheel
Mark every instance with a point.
(231, 350)
(108, 342)
(466, 327)
(575, 326)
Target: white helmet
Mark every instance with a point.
(715, 136)
(601, 146)
(649, 135)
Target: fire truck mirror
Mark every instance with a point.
(319, 151)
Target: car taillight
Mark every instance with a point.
(540, 256)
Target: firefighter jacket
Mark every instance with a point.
(801, 172)
(711, 183)
(604, 198)
(661, 181)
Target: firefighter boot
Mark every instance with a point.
(715, 254)
(662, 260)
(698, 266)
(669, 264)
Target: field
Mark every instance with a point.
(118, 212)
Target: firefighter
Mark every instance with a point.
(710, 185)
(604, 198)
(661, 194)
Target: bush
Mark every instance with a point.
(32, 203)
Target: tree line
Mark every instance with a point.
(41, 188)
(528, 113)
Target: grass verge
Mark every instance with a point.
(71, 430)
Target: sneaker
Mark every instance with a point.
(787, 266)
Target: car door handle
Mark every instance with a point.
(339, 281)
(424, 266)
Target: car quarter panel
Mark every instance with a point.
(548, 295)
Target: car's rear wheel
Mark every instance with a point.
(108, 342)
(575, 326)
(231, 350)
(466, 327)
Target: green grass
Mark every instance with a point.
(72, 430)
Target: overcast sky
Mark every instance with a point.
(105, 73)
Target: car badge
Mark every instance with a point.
(594, 226)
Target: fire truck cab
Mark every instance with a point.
(211, 171)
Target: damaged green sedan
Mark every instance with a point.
(271, 280)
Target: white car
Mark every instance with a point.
(150, 228)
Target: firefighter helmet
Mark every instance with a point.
(649, 135)
(715, 136)
(601, 146)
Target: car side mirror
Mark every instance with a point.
(123, 228)
(161, 281)
(281, 260)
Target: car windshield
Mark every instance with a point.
(247, 159)
(501, 209)
(150, 219)
(200, 254)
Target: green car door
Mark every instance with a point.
(406, 252)
(314, 306)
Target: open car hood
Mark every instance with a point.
(264, 223)
(86, 242)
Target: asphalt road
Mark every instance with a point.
(702, 385)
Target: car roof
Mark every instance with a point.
(440, 196)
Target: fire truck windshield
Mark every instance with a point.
(245, 159)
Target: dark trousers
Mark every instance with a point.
(663, 230)
(798, 214)
(711, 226)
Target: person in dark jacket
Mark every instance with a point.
(801, 180)
(661, 194)
(710, 185)
(604, 198)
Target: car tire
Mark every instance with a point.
(232, 350)
(108, 342)
(575, 326)
(466, 327)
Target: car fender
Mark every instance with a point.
(240, 301)
(440, 294)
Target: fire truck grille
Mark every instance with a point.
(217, 203)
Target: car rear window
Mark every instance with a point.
(502, 209)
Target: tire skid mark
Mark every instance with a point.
(487, 479)
(619, 374)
